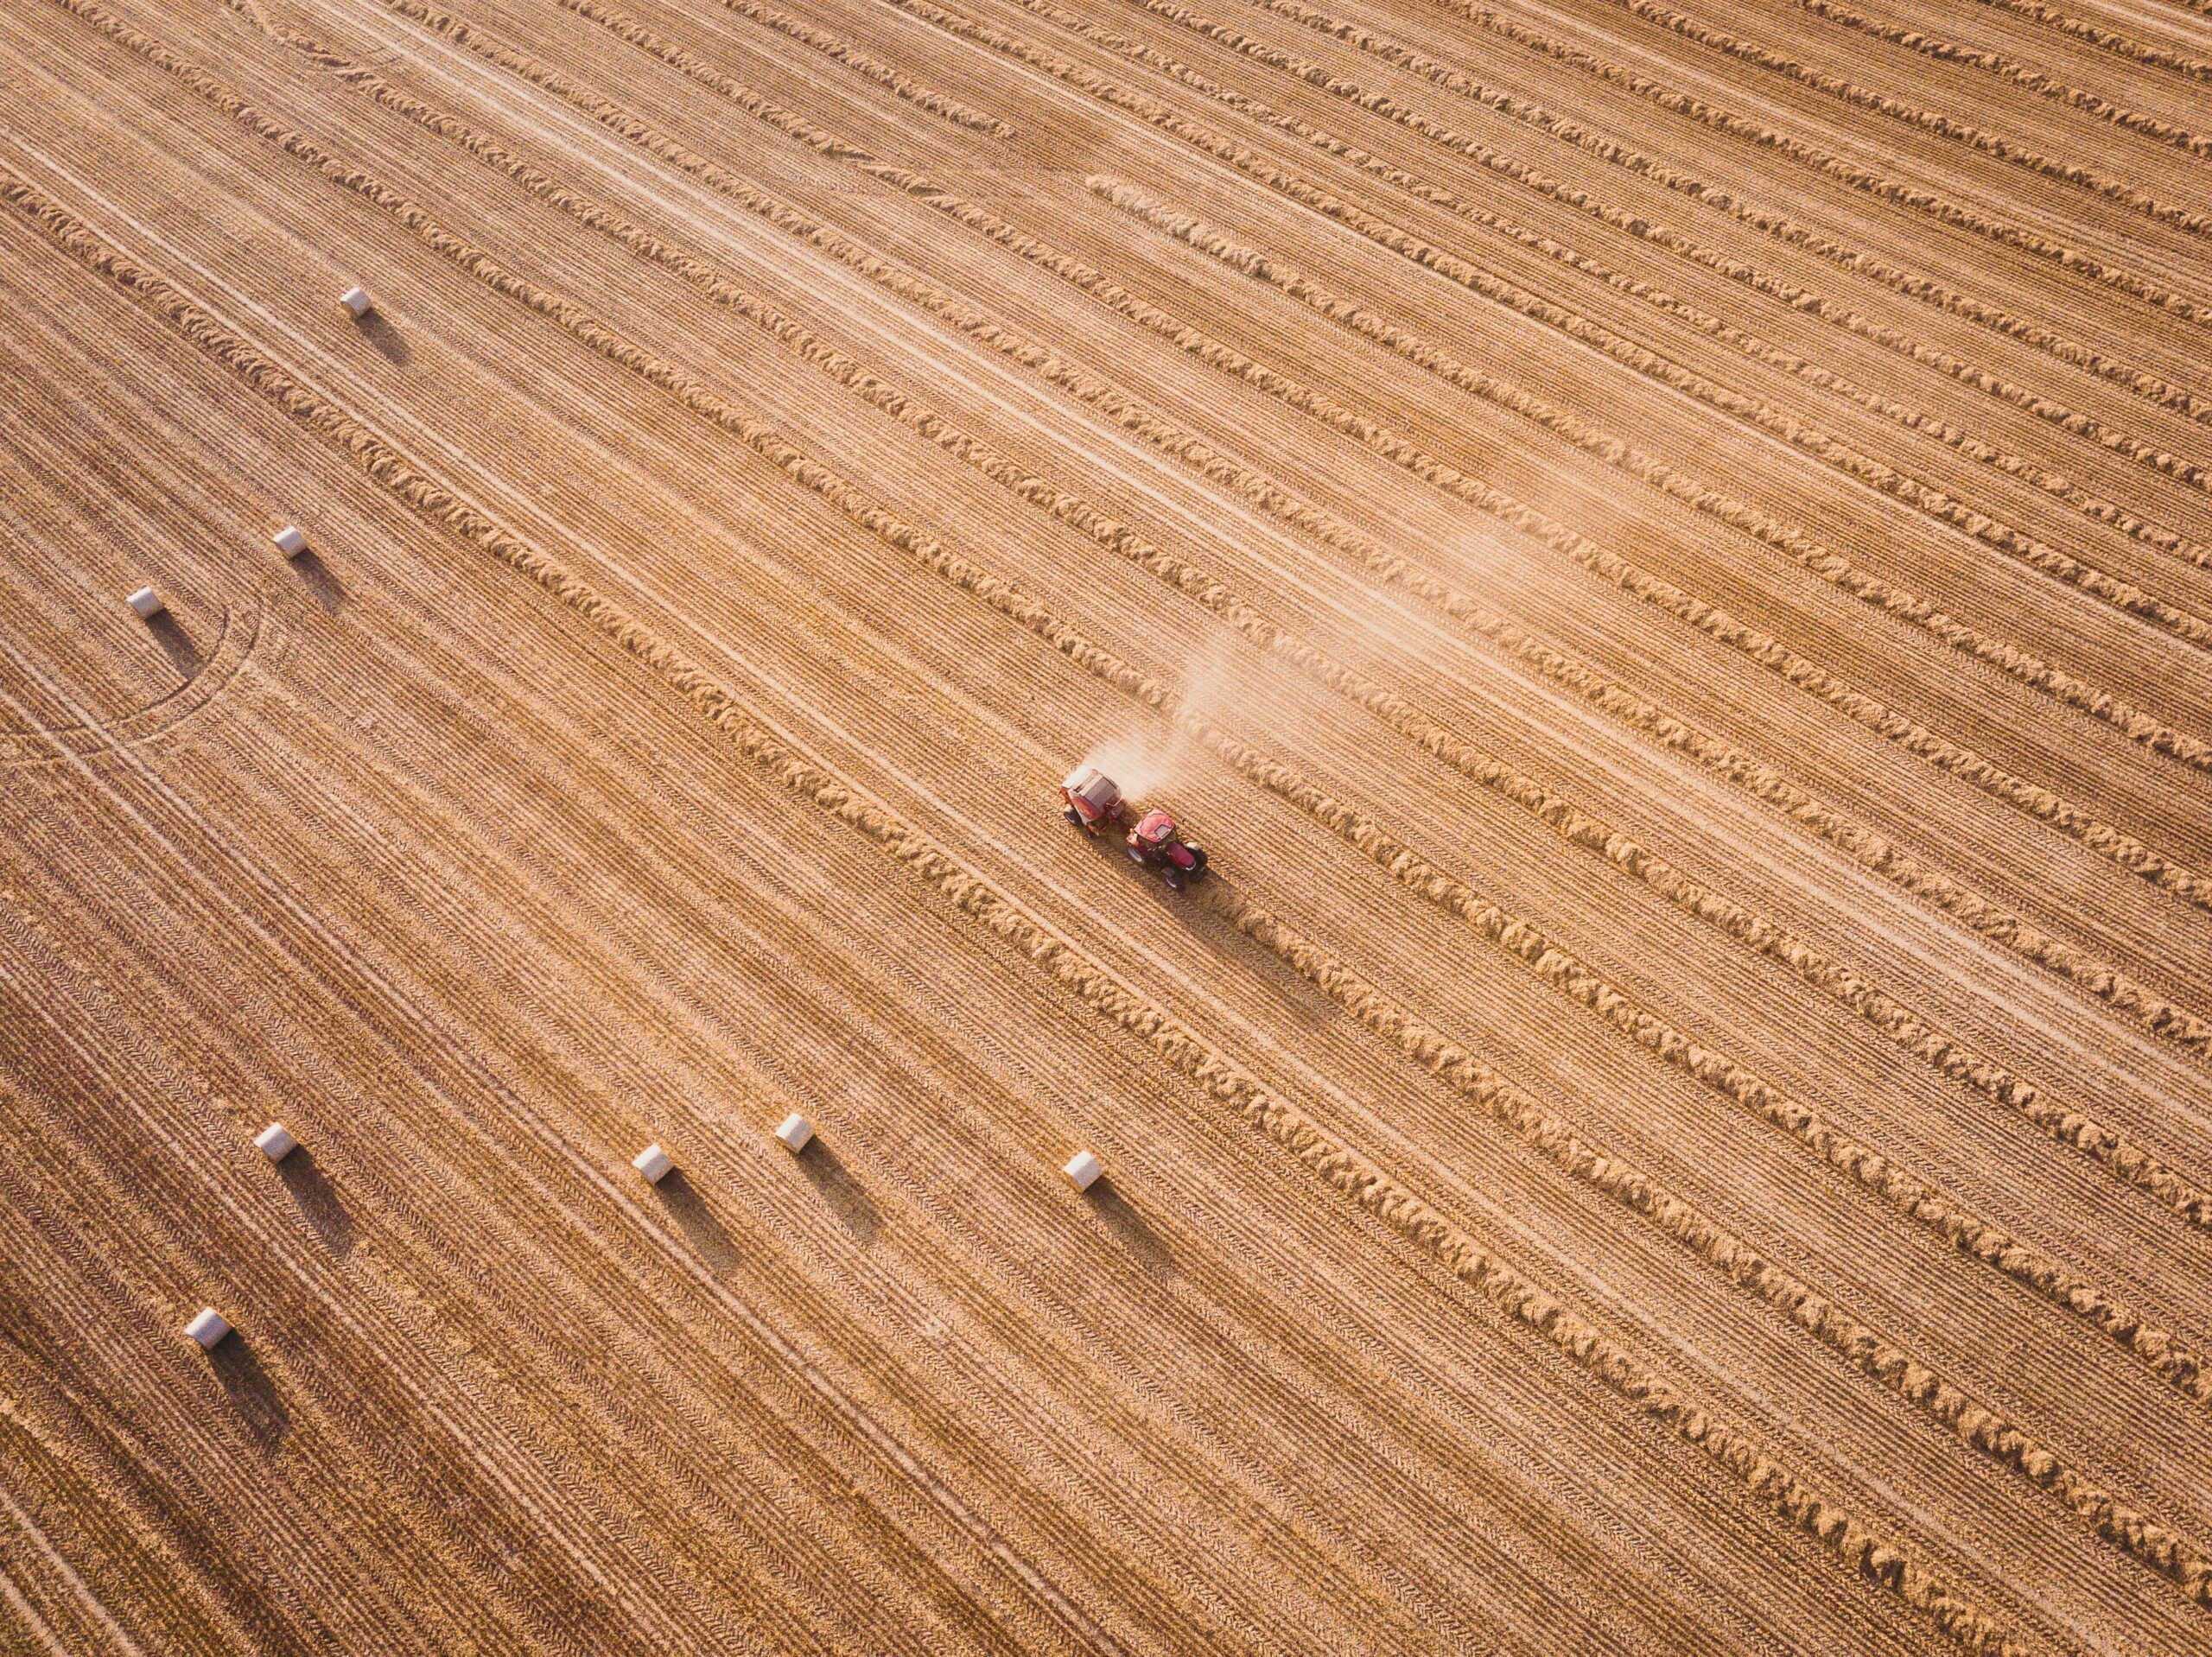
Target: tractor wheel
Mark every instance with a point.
(1075, 818)
(1176, 878)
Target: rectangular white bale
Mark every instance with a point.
(209, 1328)
(357, 301)
(291, 540)
(1082, 1170)
(653, 1163)
(795, 1132)
(148, 603)
(274, 1142)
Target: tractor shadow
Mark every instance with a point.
(828, 1174)
(252, 1392)
(689, 1210)
(177, 644)
(392, 345)
(319, 579)
(1132, 1230)
(1201, 911)
(319, 1200)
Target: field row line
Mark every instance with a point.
(1874, 475)
(1866, 848)
(2107, 40)
(1332, 1159)
(1744, 50)
(1931, 204)
(1654, 366)
(840, 50)
(1948, 1056)
(1972, 1422)
(1818, 561)
(1778, 227)
(431, 499)
(2037, 803)
(2005, 68)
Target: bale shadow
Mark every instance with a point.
(829, 1176)
(389, 341)
(318, 1199)
(168, 632)
(252, 1392)
(708, 1235)
(319, 579)
(1133, 1231)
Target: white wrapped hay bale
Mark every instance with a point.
(357, 301)
(653, 1163)
(797, 1133)
(274, 1142)
(147, 602)
(1082, 1170)
(209, 1328)
(291, 540)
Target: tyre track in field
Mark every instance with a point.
(1778, 227)
(304, 406)
(2149, 1541)
(373, 1464)
(1929, 204)
(2010, 69)
(1818, 561)
(1872, 473)
(1723, 43)
(1862, 845)
(535, 1482)
(1753, 412)
(1330, 1159)
(2040, 803)
(1860, 1346)
(637, 1291)
(841, 50)
(1512, 934)
(129, 1043)
(422, 1174)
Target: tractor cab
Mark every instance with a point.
(1157, 843)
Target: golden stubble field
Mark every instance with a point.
(1667, 555)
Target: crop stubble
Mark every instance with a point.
(1099, 418)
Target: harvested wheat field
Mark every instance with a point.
(1665, 556)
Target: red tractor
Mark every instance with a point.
(1095, 805)
(1158, 844)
